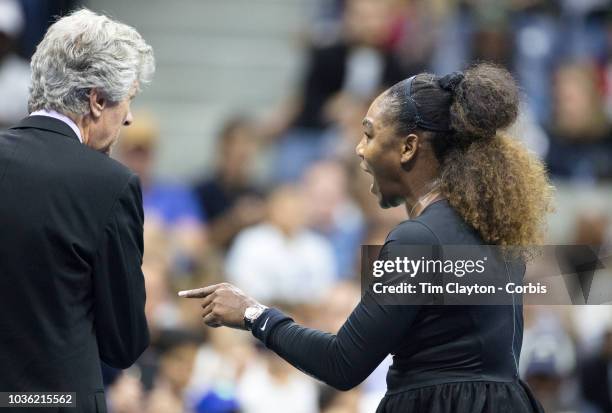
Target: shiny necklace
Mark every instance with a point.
(426, 199)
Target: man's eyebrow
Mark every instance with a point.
(367, 122)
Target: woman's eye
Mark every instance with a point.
(367, 136)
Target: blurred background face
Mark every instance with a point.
(578, 103)
(286, 209)
(326, 182)
(238, 148)
(367, 21)
(176, 365)
(137, 145)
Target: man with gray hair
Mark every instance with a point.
(71, 244)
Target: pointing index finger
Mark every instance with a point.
(198, 292)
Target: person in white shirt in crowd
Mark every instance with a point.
(279, 259)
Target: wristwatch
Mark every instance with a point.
(251, 314)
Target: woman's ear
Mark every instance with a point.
(97, 103)
(409, 147)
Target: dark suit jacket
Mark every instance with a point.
(71, 286)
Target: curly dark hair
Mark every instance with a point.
(491, 179)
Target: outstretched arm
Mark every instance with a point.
(344, 360)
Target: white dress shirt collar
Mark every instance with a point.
(63, 118)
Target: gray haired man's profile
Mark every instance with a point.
(71, 240)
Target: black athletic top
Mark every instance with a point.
(431, 345)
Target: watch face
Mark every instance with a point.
(253, 312)
(250, 312)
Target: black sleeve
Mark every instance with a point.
(119, 291)
(371, 332)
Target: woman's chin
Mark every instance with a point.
(389, 202)
(384, 201)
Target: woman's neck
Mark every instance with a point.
(428, 194)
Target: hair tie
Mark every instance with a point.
(451, 81)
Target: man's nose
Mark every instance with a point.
(128, 119)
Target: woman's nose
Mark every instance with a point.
(359, 149)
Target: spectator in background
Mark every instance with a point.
(492, 38)
(271, 385)
(335, 401)
(174, 204)
(537, 44)
(596, 377)
(170, 206)
(161, 310)
(604, 17)
(219, 365)
(334, 215)
(14, 71)
(580, 131)
(229, 198)
(39, 14)
(280, 259)
(176, 351)
(414, 32)
(548, 360)
(126, 394)
(357, 63)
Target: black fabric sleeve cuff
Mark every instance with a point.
(266, 322)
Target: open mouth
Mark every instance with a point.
(373, 186)
(365, 167)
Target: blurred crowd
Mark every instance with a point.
(289, 232)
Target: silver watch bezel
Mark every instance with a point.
(253, 312)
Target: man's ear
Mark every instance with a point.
(409, 147)
(97, 103)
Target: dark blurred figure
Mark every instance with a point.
(14, 70)
(39, 14)
(357, 63)
(596, 377)
(229, 198)
(492, 39)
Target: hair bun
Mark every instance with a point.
(451, 81)
(485, 101)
